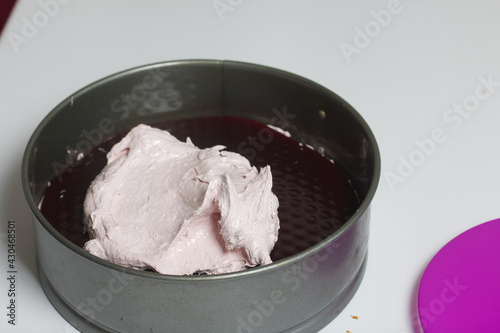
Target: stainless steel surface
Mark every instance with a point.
(301, 293)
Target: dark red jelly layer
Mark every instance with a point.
(315, 196)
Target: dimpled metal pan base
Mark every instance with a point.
(302, 292)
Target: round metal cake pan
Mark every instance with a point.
(301, 293)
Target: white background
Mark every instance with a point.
(424, 59)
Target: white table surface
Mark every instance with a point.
(408, 80)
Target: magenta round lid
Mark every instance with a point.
(460, 289)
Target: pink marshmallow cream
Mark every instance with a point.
(167, 205)
(460, 289)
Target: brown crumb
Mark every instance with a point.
(347, 331)
(354, 317)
